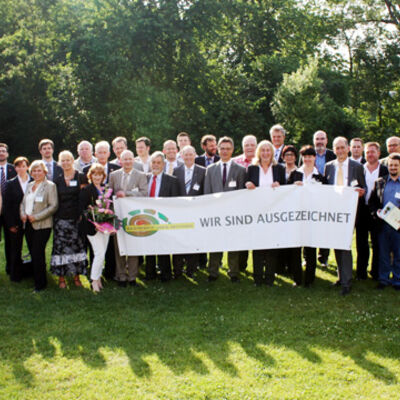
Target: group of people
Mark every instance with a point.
(44, 196)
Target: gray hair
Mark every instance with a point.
(277, 128)
(103, 143)
(157, 154)
(84, 142)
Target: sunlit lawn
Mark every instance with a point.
(199, 340)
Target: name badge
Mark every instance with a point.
(196, 186)
(397, 195)
(232, 184)
(354, 183)
(73, 183)
(39, 199)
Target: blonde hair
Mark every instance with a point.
(65, 153)
(37, 164)
(257, 160)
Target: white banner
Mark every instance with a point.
(289, 216)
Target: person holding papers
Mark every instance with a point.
(68, 256)
(223, 176)
(265, 172)
(306, 174)
(345, 172)
(386, 191)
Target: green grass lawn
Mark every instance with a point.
(199, 340)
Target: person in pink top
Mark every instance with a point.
(249, 145)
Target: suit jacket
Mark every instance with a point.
(197, 184)
(201, 160)
(87, 197)
(213, 178)
(278, 174)
(110, 168)
(77, 164)
(137, 185)
(12, 201)
(42, 210)
(297, 176)
(169, 185)
(11, 173)
(376, 200)
(355, 172)
(57, 170)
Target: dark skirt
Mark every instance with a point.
(69, 254)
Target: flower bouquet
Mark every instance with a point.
(102, 216)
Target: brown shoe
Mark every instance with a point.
(77, 281)
(61, 283)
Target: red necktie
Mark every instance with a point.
(153, 186)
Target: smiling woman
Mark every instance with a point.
(38, 206)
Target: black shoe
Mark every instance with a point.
(345, 291)
(150, 278)
(177, 276)
(189, 274)
(202, 266)
(397, 288)
(361, 278)
(380, 286)
(212, 278)
(336, 284)
(133, 283)
(234, 279)
(122, 283)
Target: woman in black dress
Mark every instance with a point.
(69, 256)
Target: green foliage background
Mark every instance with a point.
(74, 69)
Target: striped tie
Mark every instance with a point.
(3, 180)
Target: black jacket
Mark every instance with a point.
(278, 174)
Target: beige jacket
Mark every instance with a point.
(42, 210)
(137, 185)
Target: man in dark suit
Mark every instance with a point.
(387, 190)
(191, 183)
(345, 172)
(46, 150)
(209, 145)
(102, 153)
(365, 223)
(222, 176)
(324, 155)
(356, 150)
(277, 134)
(119, 145)
(7, 172)
(160, 185)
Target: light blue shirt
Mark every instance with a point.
(320, 162)
(392, 189)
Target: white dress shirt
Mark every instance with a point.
(158, 184)
(23, 184)
(228, 166)
(266, 179)
(309, 178)
(370, 178)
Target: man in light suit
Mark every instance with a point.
(160, 184)
(119, 145)
(222, 176)
(46, 150)
(345, 172)
(191, 183)
(127, 182)
(392, 146)
(85, 152)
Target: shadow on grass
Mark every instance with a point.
(186, 322)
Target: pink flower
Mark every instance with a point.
(101, 210)
(108, 193)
